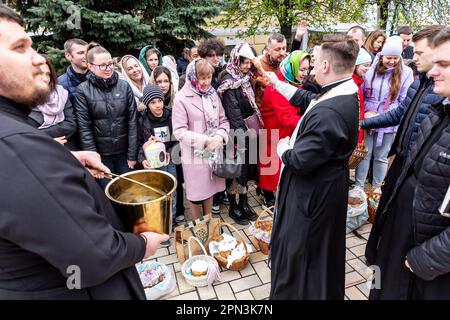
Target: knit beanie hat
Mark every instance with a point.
(392, 47)
(363, 57)
(151, 92)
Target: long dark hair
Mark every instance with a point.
(396, 78)
(53, 75)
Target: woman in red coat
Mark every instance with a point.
(362, 65)
(280, 119)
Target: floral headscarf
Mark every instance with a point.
(240, 79)
(290, 65)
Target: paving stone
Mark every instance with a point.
(365, 228)
(172, 248)
(248, 270)
(224, 292)
(359, 250)
(261, 292)
(168, 259)
(354, 294)
(183, 286)
(353, 278)
(228, 275)
(245, 283)
(364, 288)
(206, 293)
(263, 271)
(348, 268)
(349, 255)
(354, 241)
(187, 296)
(358, 265)
(161, 252)
(177, 266)
(244, 295)
(257, 257)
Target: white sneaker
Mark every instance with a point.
(179, 218)
(358, 188)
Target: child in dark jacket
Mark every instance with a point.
(155, 124)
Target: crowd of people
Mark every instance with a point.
(310, 111)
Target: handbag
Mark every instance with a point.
(228, 167)
(204, 229)
(253, 122)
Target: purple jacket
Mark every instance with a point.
(375, 95)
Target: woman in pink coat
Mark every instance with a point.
(200, 124)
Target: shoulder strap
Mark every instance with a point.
(386, 103)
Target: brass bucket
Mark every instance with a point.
(137, 205)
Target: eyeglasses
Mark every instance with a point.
(104, 67)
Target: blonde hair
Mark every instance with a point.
(203, 68)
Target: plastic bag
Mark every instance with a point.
(156, 278)
(357, 213)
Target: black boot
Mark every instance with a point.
(235, 213)
(248, 211)
(269, 199)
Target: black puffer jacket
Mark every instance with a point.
(431, 256)
(161, 128)
(106, 115)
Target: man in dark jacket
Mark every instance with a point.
(420, 94)
(183, 61)
(76, 73)
(308, 237)
(410, 115)
(414, 252)
(59, 235)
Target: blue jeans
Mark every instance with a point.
(380, 160)
(172, 169)
(117, 164)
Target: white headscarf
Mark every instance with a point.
(137, 93)
(169, 64)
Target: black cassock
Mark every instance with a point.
(308, 239)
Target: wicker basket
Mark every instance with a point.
(237, 264)
(358, 155)
(372, 197)
(264, 246)
(201, 281)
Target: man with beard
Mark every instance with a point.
(54, 218)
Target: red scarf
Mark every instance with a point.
(359, 81)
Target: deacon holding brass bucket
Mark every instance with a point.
(140, 208)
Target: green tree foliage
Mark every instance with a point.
(256, 14)
(120, 26)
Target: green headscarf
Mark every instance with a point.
(143, 58)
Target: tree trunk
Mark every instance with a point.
(383, 13)
(286, 30)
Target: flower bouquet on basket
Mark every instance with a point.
(156, 279)
(373, 198)
(201, 270)
(229, 252)
(261, 229)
